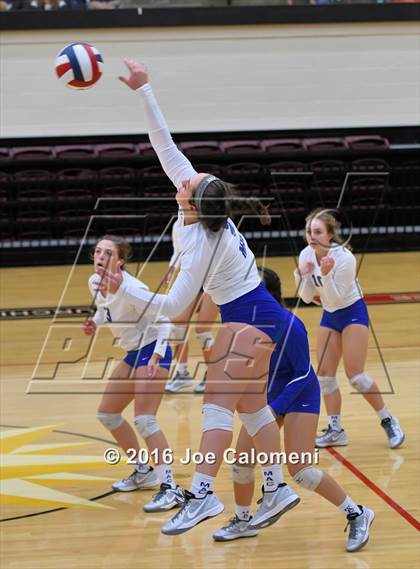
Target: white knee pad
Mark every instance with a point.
(253, 422)
(243, 474)
(205, 339)
(308, 477)
(216, 417)
(179, 332)
(328, 384)
(146, 425)
(110, 421)
(361, 382)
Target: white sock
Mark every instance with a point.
(182, 368)
(165, 474)
(335, 422)
(349, 507)
(383, 413)
(272, 476)
(201, 484)
(142, 468)
(243, 512)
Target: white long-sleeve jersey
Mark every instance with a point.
(221, 262)
(126, 320)
(339, 288)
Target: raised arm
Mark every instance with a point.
(100, 315)
(176, 166)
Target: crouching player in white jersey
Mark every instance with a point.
(140, 376)
(294, 397)
(328, 269)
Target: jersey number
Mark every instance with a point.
(242, 247)
(317, 280)
(108, 315)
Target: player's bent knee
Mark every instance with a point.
(254, 422)
(216, 417)
(243, 474)
(361, 382)
(146, 425)
(205, 339)
(328, 384)
(110, 421)
(309, 477)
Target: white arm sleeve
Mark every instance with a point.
(164, 330)
(305, 287)
(175, 260)
(176, 166)
(336, 283)
(100, 316)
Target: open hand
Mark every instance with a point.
(137, 74)
(110, 281)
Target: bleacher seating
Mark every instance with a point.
(52, 191)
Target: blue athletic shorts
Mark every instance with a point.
(355, 314)
(309, 400)
(138, 358)
(257, 308)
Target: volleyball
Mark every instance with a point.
(79, 65)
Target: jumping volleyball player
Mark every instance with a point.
(140, 376)
(328, 269)
(207, 313)
(294, 397)
(216, 256)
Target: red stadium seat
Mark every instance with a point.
(73, 175)
(328, 167)
(287, 166)
(75, 151)
(118, 191)
(37, 195)
(117, 150)
(209, 167)
(369, 142)
(200, 147)
(4, 154)
(370, 165)
(32, 153)
(241, 168)
(73, 195)
(116, 174)
(145, 149)
(324, 144)
(241, 146)
(282, 145)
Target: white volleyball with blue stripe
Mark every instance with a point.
(79, 65)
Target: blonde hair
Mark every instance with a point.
(122, 245)
(331, 223)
